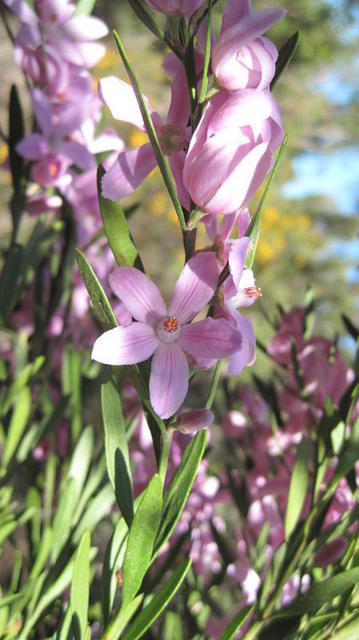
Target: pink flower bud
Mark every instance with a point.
(192, 421)
(231, 150)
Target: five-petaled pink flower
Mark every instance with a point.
(165, 333)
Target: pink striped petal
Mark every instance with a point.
(125, 345)
(195, 286)
(127, 172)
(237, 258)
(141, 296)
(246, 355)
(168, 379)
(234, 11)
(210, 339)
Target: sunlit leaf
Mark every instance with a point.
(80, 587)
(298, 487)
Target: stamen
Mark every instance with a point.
(253, 292)
(170, 325)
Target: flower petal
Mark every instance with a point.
(195, 286)
(119, 97)
(141, 296)
(168, 379)
(125, 345)
(210, 339)
(128, 171)
(237, 258)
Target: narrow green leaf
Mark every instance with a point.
(159, 601)
(236, 623)
(18, 422)
(84, 7)
(96, 292)
(161, 159)
(112, 562)
(285, 55)
(64, 630)
(116, 447)
(38, 431)
(72, 386)
(207, 57)
(173, 626)
(21, 380)
(254, 227)
(80, 587)
(116, 227)
(122, 618)
(349, 632)
(147, 19)
(348, 457)
(179, 488)
(321, 593)
(81, 459)
(64, 516)
(350, 327)
(298, 487)
(11, 275)
(98, 508)
(43, 553)
(141, 537)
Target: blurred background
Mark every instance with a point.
(309, 230)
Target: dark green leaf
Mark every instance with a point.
(117, 458)
(80, 587)
(18, 422)
(298, 487)
(146, 19)
(236, 623)
(286, 53)
(122, 618)
(159, 601)
(141, 537)
(112, 562)
(10, 279)
(116, 229)
(95, 290)
(177, 492)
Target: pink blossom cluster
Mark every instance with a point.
(222, 163)
(56, 48)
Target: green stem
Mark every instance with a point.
(166, 446)
(207, 56)
(214, 385)
(161, 159)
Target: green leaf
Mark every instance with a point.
(147, 19)
(18, 422)
(349, 632)
(159, 601)
(84, 7)
(141, 537)
(63, 517)
(112, 562)
(173, 626)
(80, 587)
(38, 431)
(254, 227)
(97, 509)
(321, 593)
(72, 386)
(122, 618)
(236, 623)
(179, 488)
(161, 159)
(207, 56)
(116, 447)
(298, 487)
(81, 459)
(116, 228)
(285, 55)
(11, 275)
(21, 380)
(43, 553)
(96, 292)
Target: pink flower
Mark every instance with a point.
(176, 7)
(167, 334)
(132, 166)
(231, 150)
(240, 58)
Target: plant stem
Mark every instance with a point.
(214, 385)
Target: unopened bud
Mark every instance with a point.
(192, 421)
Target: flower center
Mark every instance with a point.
(168, 329)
